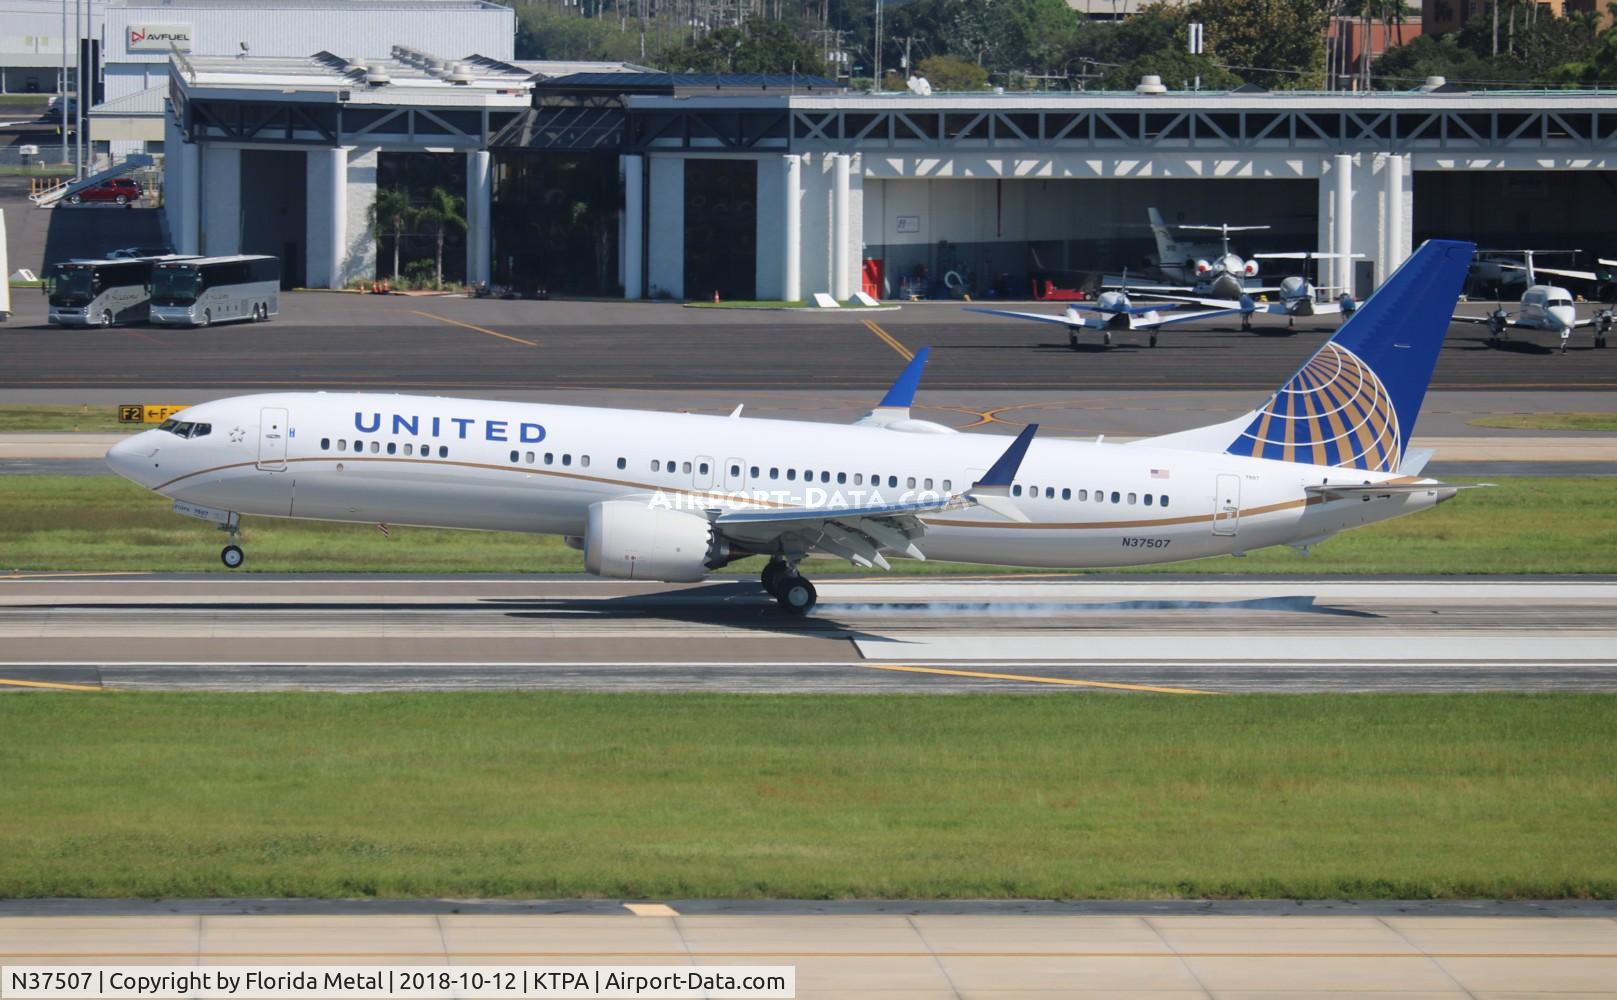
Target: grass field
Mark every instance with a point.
(545, 794)
(27, 418)
(1536, 525)
(1549, 421)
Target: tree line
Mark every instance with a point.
(1044, 44)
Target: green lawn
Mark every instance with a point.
(1550, 421)
(567, 795)
(1528, 525)
(45, 418)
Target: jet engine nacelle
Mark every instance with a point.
(1202, 267)
(1250, 268)
(1294, 287)
(629, 540)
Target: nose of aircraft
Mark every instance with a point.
(1566, 315)
(135, 457)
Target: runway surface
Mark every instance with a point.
(1012, 634)
(915, 955)
(445, 345)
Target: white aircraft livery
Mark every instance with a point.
(672, 497)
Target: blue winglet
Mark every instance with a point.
(902, 394)
(1004, 470)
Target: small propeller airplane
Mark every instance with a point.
(1543, 307)
(1113, 311)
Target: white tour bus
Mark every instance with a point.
(99, 292)
(207, 290)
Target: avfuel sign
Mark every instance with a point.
(158, 37)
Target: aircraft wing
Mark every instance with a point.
(1186, 317)
(860, 533)
(1062, 320)
(1234, 304)
(1559, 272)
(1472, 319)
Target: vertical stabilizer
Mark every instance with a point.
(1355, 403)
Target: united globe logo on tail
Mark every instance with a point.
(1335, 411)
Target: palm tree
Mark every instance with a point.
(443, 211)
(392, 211)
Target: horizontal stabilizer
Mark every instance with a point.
(1349, 491)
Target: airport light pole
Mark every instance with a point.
(61, 100)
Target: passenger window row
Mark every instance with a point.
(408, 449)
(1032, 492)
(548, 458)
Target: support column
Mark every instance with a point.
(634, 227)
(792, 278)
(1343, 227)
(841, 229)
(479, 215)
(188, 231)
(326, 217)
(1395, 247)
(359, 256)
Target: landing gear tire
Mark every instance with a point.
(1108, 336)
(1600, 341)
(232, 556)
(796, 595)
(1072, 339)
(1246, 324)
(106, 317)
(74, 199)
(773, 571)
(1153, 340)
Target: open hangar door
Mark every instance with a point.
(1520, 210)
(274, 209)
(992, 238)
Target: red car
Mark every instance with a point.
(119, 190)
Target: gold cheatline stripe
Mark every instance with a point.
(892, 341)
(479, 329)
(48, 685)
(719, 495)
(1064, 681)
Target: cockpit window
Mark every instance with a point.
(185, 429)
(1560, 302)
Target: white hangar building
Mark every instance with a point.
(645, 184)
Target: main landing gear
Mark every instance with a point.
(792, 591)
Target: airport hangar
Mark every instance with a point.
(651, 185)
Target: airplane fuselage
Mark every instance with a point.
(503, 466)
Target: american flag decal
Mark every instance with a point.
(1159, 473)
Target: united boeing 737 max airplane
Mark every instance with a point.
(672, 497)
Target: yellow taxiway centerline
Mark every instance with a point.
(1064, 681)
(48, 685)
(892, 341)
(479, 329)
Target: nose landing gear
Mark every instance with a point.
(232, 555)
(793, 592)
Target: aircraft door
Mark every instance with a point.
(272, 439)
(702, 473)
(1227, 505)
(735, 475)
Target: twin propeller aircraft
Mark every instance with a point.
(673, 496)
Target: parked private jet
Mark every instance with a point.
(1295, 296)
(673, 497)
(1543, 307)
(1214, 272)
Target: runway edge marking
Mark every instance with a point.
(1029, 678)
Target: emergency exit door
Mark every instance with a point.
(272, 439)
(1227, 505)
